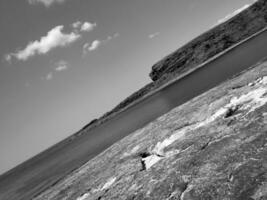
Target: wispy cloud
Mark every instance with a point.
(112, 37)
(87, 47)
(49, 76)
(83, 27)
(47, 3)
(8, 58)
(153, 35)
(233, 14)
(61, 65)
(54, 38)
(93, 46)
(76, 24)
(87, 26)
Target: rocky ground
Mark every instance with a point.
(212, 147)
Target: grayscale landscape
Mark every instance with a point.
(196, 132)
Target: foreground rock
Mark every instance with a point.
(213, 147)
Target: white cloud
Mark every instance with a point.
(153, 35)
(94, 45)
(61, 65)
(8, 57)
(85, 48)
(233, 14)
(49, 76)
(47, 3)
(97, 43)
(87, 26)
(112, 37)
(54, 38)
(83, 27)
(76, 24)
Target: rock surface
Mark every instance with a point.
(211, 43)
(212, 147)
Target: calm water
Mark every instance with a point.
(29, 179)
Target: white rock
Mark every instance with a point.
(109, 183)
(83, 197)
(151, 160)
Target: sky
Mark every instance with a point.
(66, 62)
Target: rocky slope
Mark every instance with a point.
(212, 147)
